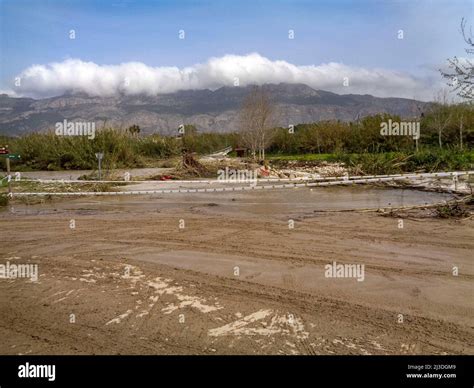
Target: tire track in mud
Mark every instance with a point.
(300, 304)
(340, 326)
(274, 253)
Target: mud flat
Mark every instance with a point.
(226, 274)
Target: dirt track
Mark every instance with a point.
(235, 279)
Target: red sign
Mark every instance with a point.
(4, 151)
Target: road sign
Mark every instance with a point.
(4, 151)
(10, 156)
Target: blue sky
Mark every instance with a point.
(354, 33)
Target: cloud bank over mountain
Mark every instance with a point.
(132, 78)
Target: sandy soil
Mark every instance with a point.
(236, 279)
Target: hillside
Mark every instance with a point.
(215, 111)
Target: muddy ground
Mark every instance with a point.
(226, 274)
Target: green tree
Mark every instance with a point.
(134, 129)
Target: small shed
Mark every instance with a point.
(241, 152)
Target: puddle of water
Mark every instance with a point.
(294, 201)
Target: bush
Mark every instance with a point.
(399, 162)
(3, 200)
(46, 151)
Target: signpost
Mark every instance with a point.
(5, 153)
(99, 156)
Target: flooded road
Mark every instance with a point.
(300, 201)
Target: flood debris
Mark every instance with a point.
(456, 209)
(189, 166)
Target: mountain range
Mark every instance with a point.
(210, 110)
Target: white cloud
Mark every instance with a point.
(135, 78)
